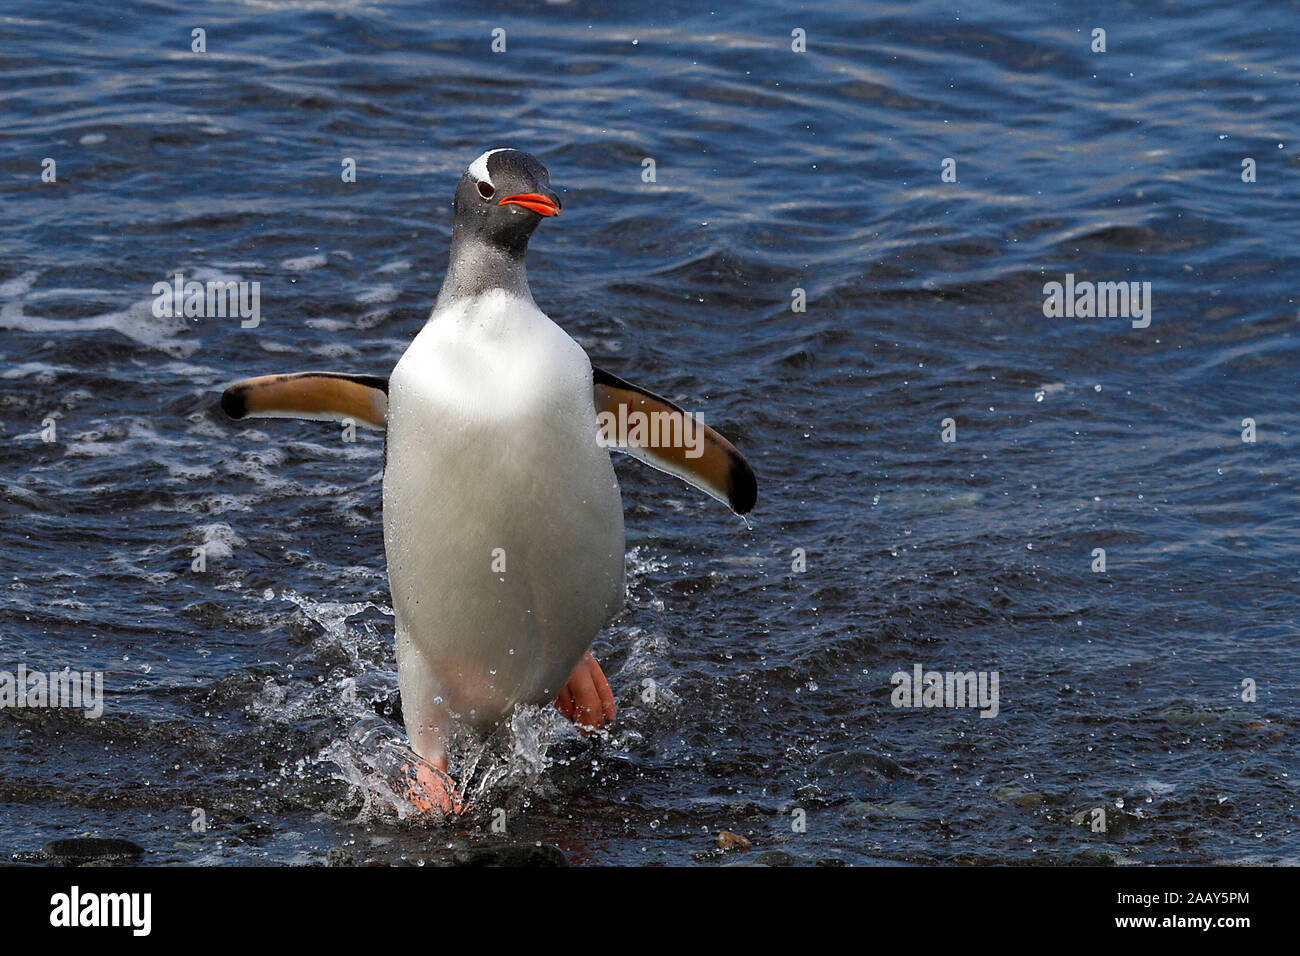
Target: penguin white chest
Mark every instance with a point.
(503, 524)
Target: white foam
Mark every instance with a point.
(305, 263)
(42, 373)
(136, 322)
(220, 540)
(378, 295)
(328, 325)
(91, 449)
(17, 286)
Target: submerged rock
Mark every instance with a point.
(891, 809)
(1028, 799)
(775, 858)
(1190, 716)
(510, 854)
(77, 850)
(254, 833)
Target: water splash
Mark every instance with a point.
(507, 767)
(373, 759)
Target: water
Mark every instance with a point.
(229, 691)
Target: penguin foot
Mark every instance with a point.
(430, 790)
(586, 699)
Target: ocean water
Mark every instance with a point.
(243, 706)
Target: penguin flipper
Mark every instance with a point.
(316, 396)
(695, 453)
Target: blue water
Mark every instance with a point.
(226, 690)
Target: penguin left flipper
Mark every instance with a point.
(693, 451)
(317, 396)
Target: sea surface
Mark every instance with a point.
(244, 703)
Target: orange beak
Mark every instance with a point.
(538, 203)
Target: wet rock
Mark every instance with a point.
(1190, 716)
(829, 861)
(1027, 799)
(729, 842)
(337, 856)
(253, 833)
(79, 850)
(864, 776)
(870, 766)
(511, 854)
(891, 809)
(775, 858)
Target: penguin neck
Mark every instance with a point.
(478, 267)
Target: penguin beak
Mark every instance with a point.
(542, 205)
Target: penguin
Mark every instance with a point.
(502, 516)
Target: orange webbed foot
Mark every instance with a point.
(430, 790)
(586, 699)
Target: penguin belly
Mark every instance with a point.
(503, 523)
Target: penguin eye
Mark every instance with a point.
(486, 190)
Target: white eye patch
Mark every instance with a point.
(478, 169)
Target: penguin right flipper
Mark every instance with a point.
(317, 396)
(696, 454)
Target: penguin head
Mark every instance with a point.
(502, 197)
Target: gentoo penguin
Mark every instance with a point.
(503, 523)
